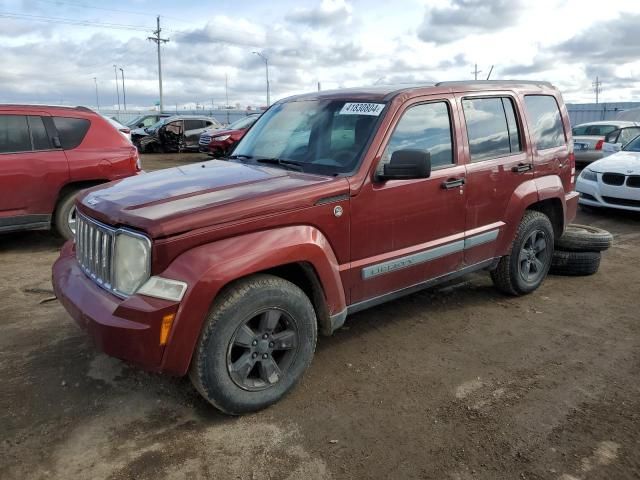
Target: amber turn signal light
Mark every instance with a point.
(165, 327)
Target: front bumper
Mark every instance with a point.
(127, 329)
(598, 194)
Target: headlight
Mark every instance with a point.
(221, 138)
(132, 261)
(589, 175)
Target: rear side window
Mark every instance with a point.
(424, 127)
(546, 122)
(491, 127)
(71, 130)
(39, 135)
(14, 134)
(193, 124)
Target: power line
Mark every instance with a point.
(82, 5)
(69, 21)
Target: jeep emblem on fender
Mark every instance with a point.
(337, 211)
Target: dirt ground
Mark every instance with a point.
(455, 383)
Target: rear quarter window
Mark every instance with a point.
(71, 130)
(545, 121)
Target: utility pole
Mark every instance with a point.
(266, 66)
(158, 40)
(115, 70)
(95, 80)
(476, 72)
(318, 86)
(597, 88)
(124, 95)
(226, 94)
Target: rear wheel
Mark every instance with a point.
(526, 266)
(257, 342)
(64, 219)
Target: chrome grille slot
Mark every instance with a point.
(94, 250)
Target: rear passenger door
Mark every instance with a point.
(31, 169)
(192, 131)
(498, 162)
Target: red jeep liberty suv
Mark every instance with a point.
(47, 155)
(332, 202)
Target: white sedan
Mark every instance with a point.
(613, 181)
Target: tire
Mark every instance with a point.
(527, 264)
(233, 342)
(575, 263)
(584, 238)
(65, 212)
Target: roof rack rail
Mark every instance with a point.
(494, 82)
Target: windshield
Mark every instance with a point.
(245, 122)
(633, 145)
(156, 125)
(593, 130)
(326, 137)
(135, 121)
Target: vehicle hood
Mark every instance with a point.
(139, 131)
(176, 200)
(627, 163)
(221, 132)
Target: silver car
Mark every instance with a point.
(588, 138)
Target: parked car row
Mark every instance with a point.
(589, 138)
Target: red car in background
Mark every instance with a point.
(218, 143)
(47, 156)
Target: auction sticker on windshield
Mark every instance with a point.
(373, 109)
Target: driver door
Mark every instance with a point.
(404, 232)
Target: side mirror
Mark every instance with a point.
(407, 164)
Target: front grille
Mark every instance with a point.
(94, 250)
(205, 139)
(622, 201)
(633, 181)
(616, 179)
(586, 196)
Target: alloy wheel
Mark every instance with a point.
(262, 349)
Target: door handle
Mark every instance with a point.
(453, 183)
(522, 167)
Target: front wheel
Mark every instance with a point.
(65, 216)
(256, 344)
(527, 265)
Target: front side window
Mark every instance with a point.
(193, 124)
(14, 134)
(327, 137)
(546, 122)
(71, 131)
(492, 128)
(423, 127)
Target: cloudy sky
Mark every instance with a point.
(52, 50)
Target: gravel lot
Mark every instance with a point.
(455, 383)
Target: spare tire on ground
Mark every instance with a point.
(584, 238)
(575, 263)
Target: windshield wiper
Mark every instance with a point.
(292, 164)
(240, 157)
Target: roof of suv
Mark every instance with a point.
(26, 108)
(387, 92)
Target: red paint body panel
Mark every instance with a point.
(103, 155)
(219, 147)
(215, 222)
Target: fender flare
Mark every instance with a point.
(207, 269)
(529, 193)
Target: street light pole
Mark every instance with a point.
(124, 95)
(115, 70)
(95, 80)
(266, 66)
